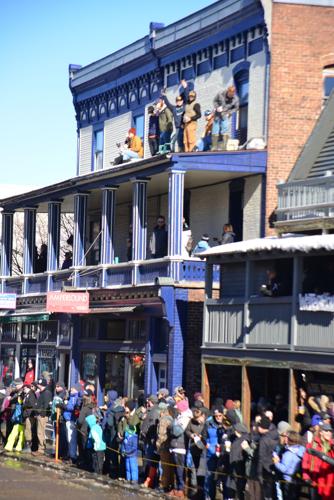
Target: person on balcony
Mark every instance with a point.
(159, 239)
(165, 123)
(187, 240)
(133, 146)
(178, 112)
(225, 103)
(67, 263)
(202, 245)
(192, 114)
(153, 131)
(204, 143)
(41, 260)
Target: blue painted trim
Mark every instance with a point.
(220, 61)
(80, 220)
(173, 79)
(255, 46)
(7, 243)
(54, 211)
(29, 238)
(243, 161)
(108, 225)
(139, 219)
(238, 53)
(175, 217)
(242, 66)
(204, 67)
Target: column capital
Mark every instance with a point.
(55, 202)
(7, 212)
(135, 180)
(176, 170)
(81, 194)
(110, 188)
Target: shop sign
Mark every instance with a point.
(7, 300)
(67, 302)
(313, 302)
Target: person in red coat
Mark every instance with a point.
(316, 471)
(30, 373)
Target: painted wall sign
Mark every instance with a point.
(67, 302)
(7, 300)
(313, 302)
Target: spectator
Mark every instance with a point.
(159, 239)
(67, 263)
(268, 441)
(129, 244)
(204, 143)
(95, 443)
(70, 415)
(225, 103)
(202, 245)
(129, 449)
(42, 414)
(228, 234)
(134, 146)
(30, 372)
(153, 131)
(178, 112)
(187, 240)
(41, 261)
(191, 115)
(165, 122)
(163, 445)
(289, 464)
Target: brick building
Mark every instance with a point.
(143, 326)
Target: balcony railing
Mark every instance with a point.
(123, 274)
(267, 324)
(309, 199)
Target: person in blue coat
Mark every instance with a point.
(202, 245)
(129, 449)
(95, 443)
(289, 464)
(70, 415)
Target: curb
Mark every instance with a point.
(101, 481)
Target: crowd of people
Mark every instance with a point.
(176, 444)
(173, 127)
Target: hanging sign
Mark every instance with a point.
(7, 300)
(313, 302)
(67, 302)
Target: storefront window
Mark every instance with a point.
(8, 332)
(47, 360)
(7, 365)
(114, 372)
(138, 374)
(48, 331)
(89, 328)
(29, 332)
(89, 366)
(115, 330)
(137, 330)
(26, 353)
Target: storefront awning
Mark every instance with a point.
(114, 310)
(23, 317)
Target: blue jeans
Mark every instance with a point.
(129, 154)
(177, 137)
(164, 138)
(220, 126)
(131, 469)
(204, 144)
(210, 479)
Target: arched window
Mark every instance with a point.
(242, 85)
(328, 79)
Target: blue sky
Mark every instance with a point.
(38, 40)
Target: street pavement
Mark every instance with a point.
(19, 480)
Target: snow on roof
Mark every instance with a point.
(287, 243)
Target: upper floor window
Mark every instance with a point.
(140, 126)
(242, 84)
(98, 150)
(328, 74)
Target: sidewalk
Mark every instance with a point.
(73, 472)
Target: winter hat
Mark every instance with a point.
(326, 427)
(17, 381)
(283, 427)
(153, 399)
(205, 237)
(131, 404)
(179, 389)
(164, 393)
(131, 429)
(198, 404)
(112, 396)
(88, 392)
(182, 405)
(60, 384)
(42, 382)
(232, 417)
(316, 420)
(197, 395)
(132, 131)
(241, 428)
(229, 405)
(264, 422)
(163, 406)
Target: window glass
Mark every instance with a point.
(98, 150)
(242, 85)
(328, 74)
(136, 330)
(114, 372)
(89, 328)
(89, 365)
(29, 332)
(139, 126)
(26, 353)
(7, 365)
(115, 329)
(47, 361)
(48, 331)
(8, 331)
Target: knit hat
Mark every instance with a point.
(229, 405)
(182, 405)
(316, 420)
(198, 404)
(205, 237)
(131, 404)
(88, 392)
(198, 395)
(241, 428)
(283, 427)
(153, 399)
(264, 422)
(326, 427)
(132, 131)
(112, 396)
(164, 393)
(42, 382)
(17, 381)
(179, 389)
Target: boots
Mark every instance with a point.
(27, 447)
(149, 482)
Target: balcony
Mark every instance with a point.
(306, 204)
(266, 323)
(107, 276)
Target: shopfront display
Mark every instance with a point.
(89, 366)
(7, 365)
(114, 372)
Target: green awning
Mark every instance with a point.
(24, 318)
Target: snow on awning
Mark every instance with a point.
(287, 243)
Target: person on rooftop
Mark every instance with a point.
(225, 103)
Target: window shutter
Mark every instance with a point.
(115, 130)
(85, 150)
(147, 153)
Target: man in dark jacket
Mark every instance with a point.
(153, 131)
(42, 413)
(29, 404)
(225, 103)
(268, 441)
(159, 239)
(148, 434)
(178, 111)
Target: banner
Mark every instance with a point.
(7, 300)
(67, 302)
(313, 302)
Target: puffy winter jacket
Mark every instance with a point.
(290, 462)
(129, 446)
(95, 439)
(70, 407)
